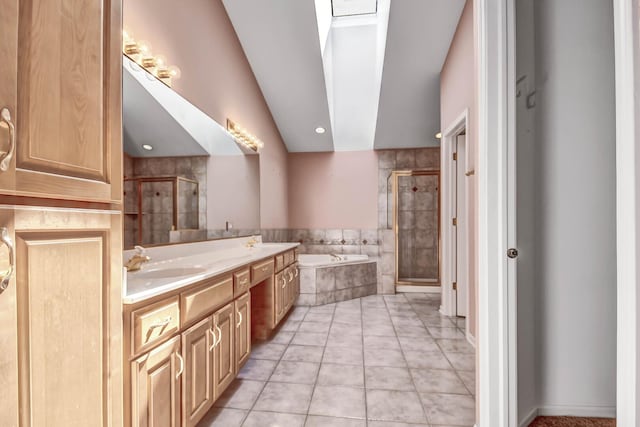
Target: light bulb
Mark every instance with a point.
(145, 48)
(174, 72)
(161, 60)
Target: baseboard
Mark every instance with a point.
(529, 418)
(578, 411)
(471, 339)
(418, 289)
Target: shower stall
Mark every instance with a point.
(416, 224)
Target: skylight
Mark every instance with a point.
(353, 7)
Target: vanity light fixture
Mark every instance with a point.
(140, 53)
(439, 135)
(320, 130)
(147, 147)
(243, 137)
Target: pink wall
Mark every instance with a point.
(238, 203)
(333, 190)
(458, 91)
(217, 78)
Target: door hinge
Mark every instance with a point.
(455, 286)
(455, 156)
(455, 222)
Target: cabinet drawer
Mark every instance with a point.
(261, 271)
(288, 258)
(152, 324)
(195, 304)
(241, 282)
(279, 262)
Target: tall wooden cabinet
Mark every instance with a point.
(60, 190)
(61, 93)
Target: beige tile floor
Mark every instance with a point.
(377, 361)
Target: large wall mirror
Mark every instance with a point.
(185, 177)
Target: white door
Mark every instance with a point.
(461, 230)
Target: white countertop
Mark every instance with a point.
(176, 266)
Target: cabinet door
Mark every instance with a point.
(61, 318)
(62, 89)
(155, 386)
(224, 364)
(279, 285)
(197, 381)
(243, 330)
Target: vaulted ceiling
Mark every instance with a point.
(342, 74)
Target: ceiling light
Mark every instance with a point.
(243, 137)
(140, 53)
(439, 135)
(147, 147)
(320, 130)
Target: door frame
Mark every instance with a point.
(627, 58)
(448, 193)
(494, 22)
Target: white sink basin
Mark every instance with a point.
(162, 273)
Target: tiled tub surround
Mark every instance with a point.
(377, 361)
(338, 241)
(324, 280)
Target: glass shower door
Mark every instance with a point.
(417, 220)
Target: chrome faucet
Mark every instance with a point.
(136, 261)
(335, 257)
(251, 242)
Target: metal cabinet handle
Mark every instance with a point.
(161, 324)
(296, 272)
(244, 281)
(239, 321)
(5, 157)
(290, 276)
(219, 335)
(181, 365)
(214, 339)
(6, 277)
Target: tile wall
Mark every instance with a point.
(159, 197)
(325, 285)
(388, 161)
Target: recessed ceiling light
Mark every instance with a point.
(320, 130)
(439, 135)
(147, 147)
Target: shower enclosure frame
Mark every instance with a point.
(395, 175)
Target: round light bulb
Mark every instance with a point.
(174, 72)
(161, 60)
(147, 147)
(145, 48)
(320, 130)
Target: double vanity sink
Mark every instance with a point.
(190, 315)
(174, 266)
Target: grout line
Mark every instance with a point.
(424, 412)
(313, 391)
(364, 368)
(274, 369)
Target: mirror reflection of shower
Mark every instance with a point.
(416, 221)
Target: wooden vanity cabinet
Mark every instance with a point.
(243, 330)
(224, 361)
(280, 284)
(186, 347)
(198, 380)
(156, 385)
